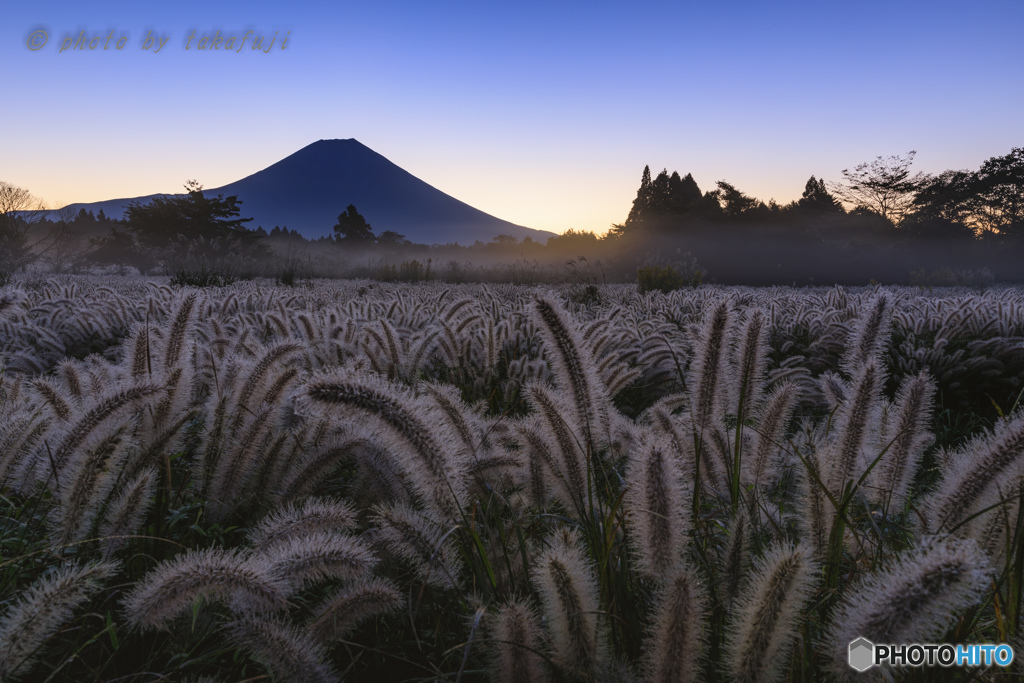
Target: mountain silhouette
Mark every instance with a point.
(308, 189)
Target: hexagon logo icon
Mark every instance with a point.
(862, 654)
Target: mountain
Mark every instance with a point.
(307, 190)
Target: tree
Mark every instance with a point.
(883, 186)
(15, 251)
(191, 227)
(733, 202)
(999, 187)
(63, 243)
(391, 238)
(666, 202)
(642, 203)
(352, 228)
(816, 199)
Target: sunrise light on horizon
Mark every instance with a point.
(542, 115)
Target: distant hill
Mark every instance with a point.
(307, 190)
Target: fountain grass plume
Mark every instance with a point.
(290, 653)
(175, 399)
(971, 482)
(542, 475)
(68, 371)
(86, 481)
(908, 436)
(314, 466)
(51, 396)
(574, 369)
(817, 513)
(675, 642)
(432, 457)
(658, 504)
(707, 371)
(420, 350)
(572, 464)
(750, 364)
(215, 424)
(180, 326)
(768, 614)
(870, 336)
(458, 415)
(410, 535)
(233, 576)
(302, 519)
(301, 561)
(834, 388)
(140, 361)
(103, 410)
(273, 359)
(568, 592)
(41, 609)
(239, 460)
(127, 510)
(516, 640)
(855, 438)
(341, 613)
(914, 601)
(678, 430)
(19, 434)
(735, 555)
(759, 463)
(380, 478)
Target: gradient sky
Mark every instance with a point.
(543, 114)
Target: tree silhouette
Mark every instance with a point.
(734, 203)
(390, 237)
(817, 200)
(15, 251)
(884, 186)
(999, 185)
(189, 226)
(352, 228)
(643, 202)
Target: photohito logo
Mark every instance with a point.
(863, 654)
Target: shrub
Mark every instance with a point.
(407, 271)
(662, 279)
(204, 277)
(287, 276)
(584, 281)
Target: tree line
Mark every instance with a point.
(880, 221)
(882, 195)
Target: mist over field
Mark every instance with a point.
(337, 209)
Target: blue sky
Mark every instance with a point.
(543, 114)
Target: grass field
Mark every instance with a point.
(353, 480)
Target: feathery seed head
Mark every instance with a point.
(300, 561)
(768, 614)
(516, 640)
(343, 611)
(409, 429)
(914, 601)
(569, 595)
(657, 501)
(299, 520)
(290, 653)
(213, 574)
(675, 641)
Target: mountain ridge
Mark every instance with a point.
(307, 189)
